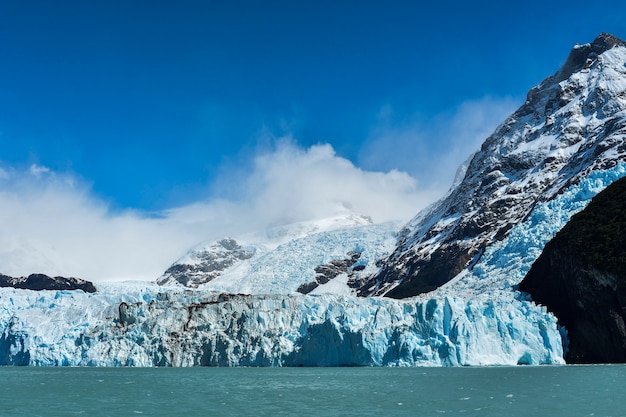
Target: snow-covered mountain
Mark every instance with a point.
(464, 256)
(322, 256)
(571, 125)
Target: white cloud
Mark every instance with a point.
(38, 170)
(293, 184)
(53, 224)
(50, 226)
(432, 149)
(288, 183)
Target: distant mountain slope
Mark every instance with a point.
(40, 282)
(572, 124)
(581, 278)
(323, 256)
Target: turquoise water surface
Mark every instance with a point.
(496, 391)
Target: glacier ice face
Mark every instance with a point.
(504, 264)
(189, 328)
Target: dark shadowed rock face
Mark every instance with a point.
(581, 278)
(39, 282)
(326, 272)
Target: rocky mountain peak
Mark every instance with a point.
(573, 123)
(606, 41)
(582, 56)
(206, 263)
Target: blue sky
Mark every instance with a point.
(145, 111)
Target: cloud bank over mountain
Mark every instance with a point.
(54, 223)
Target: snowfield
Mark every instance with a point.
(283, 258)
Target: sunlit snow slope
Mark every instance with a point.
(287, 259)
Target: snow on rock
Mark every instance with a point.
(572, 124)
(201, 266)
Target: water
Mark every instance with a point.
(500, 391)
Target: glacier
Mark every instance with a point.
(478, 318)
(282, 258)
(283, 268)
(505, 263)
(193, 328)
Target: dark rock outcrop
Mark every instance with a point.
(581, 278)
(207, 263)
(326, 272)
(307, 287)
(39, 282)
(580, 56)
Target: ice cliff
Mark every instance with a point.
(189, 328)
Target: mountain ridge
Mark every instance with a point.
(566, 129)
(40, 282)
